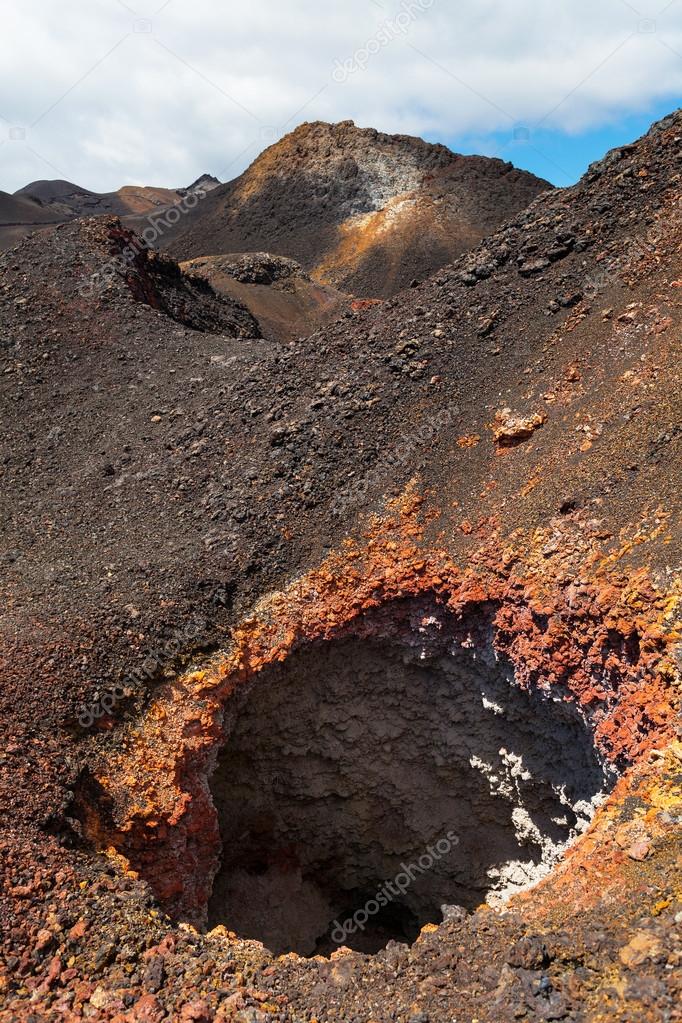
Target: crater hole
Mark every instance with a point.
(372, 782)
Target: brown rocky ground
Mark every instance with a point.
(187, 512)
(363, 211)
(284, 299)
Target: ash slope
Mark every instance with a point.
(147, 467)
(19, 215)
(361, 210)
(15, 210)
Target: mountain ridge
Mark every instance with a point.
(348, 202)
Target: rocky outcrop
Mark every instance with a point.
(510, 429)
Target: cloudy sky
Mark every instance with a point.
(107, 92)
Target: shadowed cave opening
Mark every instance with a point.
(372, 782)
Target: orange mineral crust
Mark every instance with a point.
(599, 636)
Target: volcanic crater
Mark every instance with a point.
(331, 783)
(358, 759)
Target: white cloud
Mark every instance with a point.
(104, 102)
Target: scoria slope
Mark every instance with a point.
(361, 210)
(395, 604)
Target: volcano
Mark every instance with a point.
(341, 672)
(363, 211)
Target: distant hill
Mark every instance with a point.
(20, 209)
(67, 200)
(58, 201)
(361, 210)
